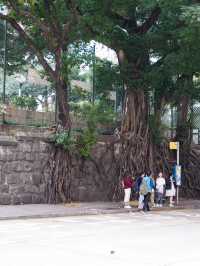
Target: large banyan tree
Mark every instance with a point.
(157, 45)
(143, 35)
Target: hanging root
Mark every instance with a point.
(191, 174)
(60, 173)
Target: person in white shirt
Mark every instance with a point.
(160, 187)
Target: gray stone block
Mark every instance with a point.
(26, 178)
(42, 188)
(36, 147)
(11, 155)
(26, 198)
(43, 157)
(37, 178)
(8, 143)
(13, 166)
(82, 193)
(20, 155)
(37, 165)
(4, 188)
(18, 166)
(31, 189)
(5, 199)
(2, 178)
(44, 147)
(37, 199)
(25, 146)
(30, 156)
(16, 189)
(3, 153)
(15, 200)
(12, 179)
(28, 167)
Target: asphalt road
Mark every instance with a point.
(136, 239)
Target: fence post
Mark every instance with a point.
(4, 71)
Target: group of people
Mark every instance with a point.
(149, 191)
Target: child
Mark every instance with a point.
(160, 186)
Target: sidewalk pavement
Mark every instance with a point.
(29, 211)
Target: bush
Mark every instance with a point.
(98, 114)
(81, 142)
(25, 102)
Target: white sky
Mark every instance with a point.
(104, 52)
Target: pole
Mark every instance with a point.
(178, 153)
(4, 72)
(172, 122)
(56, 108)
(177, 163)
(93, 75)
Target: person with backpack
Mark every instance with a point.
(127, 184)
(139, 192)
(153, 186)
(145, 190)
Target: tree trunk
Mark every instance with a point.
(135, 133)
(63, 105)
(183, 127)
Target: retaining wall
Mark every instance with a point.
(22, 161)
(24, 177)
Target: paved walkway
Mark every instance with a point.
(76, 209)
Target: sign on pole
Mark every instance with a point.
(173, 145)
(178, 175)
(177, 168)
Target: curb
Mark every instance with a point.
(87, 213)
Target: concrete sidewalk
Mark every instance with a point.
(29, 211)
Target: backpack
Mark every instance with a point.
(143, 188)
(152, 183)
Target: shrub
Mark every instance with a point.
(25, 102)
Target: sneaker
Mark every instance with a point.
(127, 207)
(171, 205)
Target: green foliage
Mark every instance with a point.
(77, 94)
(64, 139)
(101, 113)
(94, 116)
(17, 51)
(25, 102)
(85, 142)
(157, 130)
(107, 78)
(81, 142)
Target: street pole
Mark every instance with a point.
(93, 74)
(56, 108)
(178, 161)
(4, 72)
(172, 121)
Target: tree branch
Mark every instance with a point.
(50, 10)
(40, 24)
(150, 21)
(30, 43)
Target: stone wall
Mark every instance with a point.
(21, 164)
(24, 177)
